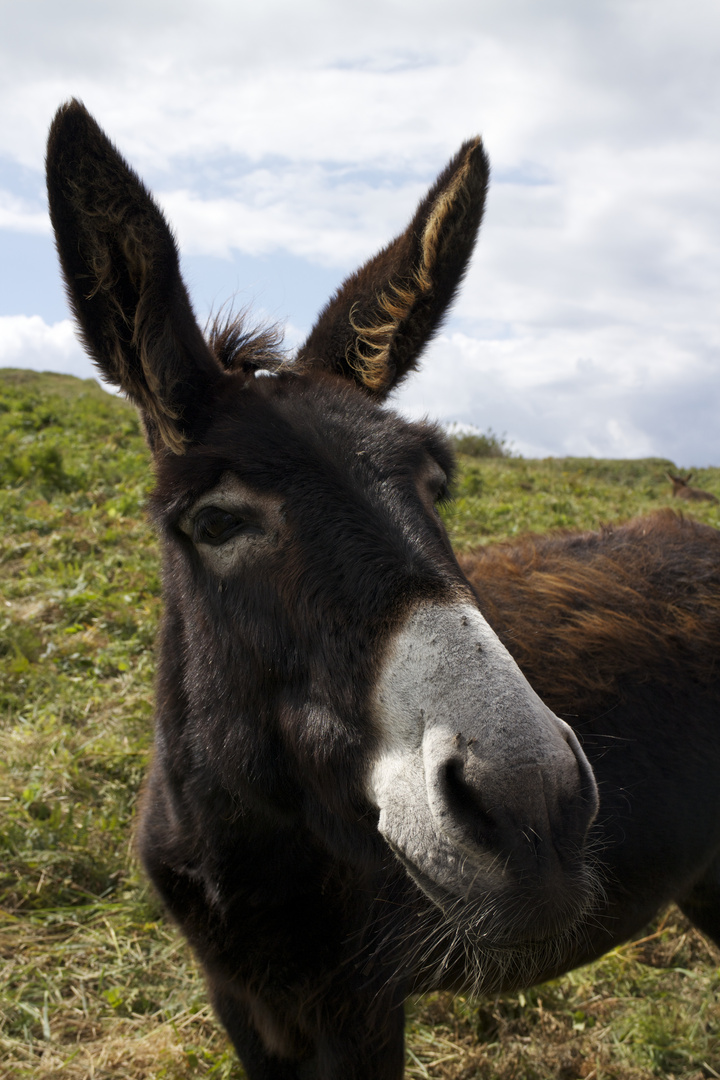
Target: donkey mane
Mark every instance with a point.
(247, 349)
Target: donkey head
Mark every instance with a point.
(680, 484)
(324, 663)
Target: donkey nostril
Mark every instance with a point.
(465, 805)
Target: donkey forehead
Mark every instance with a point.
(319, 411)
(280, 441)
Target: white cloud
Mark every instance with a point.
(325, 218)
(26, 341)
(388, 81)
(20, 216)
(611, 394)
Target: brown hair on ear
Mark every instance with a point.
(381, 318)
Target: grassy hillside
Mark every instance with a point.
(94, 981)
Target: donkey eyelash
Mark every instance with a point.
(215, 526)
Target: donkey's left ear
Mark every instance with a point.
(376, 326)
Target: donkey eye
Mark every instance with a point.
(214, 526)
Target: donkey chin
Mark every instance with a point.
(484, 795)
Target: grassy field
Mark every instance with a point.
(95, 984)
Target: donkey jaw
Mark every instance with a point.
(483, 793)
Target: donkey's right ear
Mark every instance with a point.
(122, 275)
(376, 326)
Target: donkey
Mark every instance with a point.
(682, 489)
(355, 792)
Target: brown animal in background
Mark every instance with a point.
(355, 792)
(683, 490)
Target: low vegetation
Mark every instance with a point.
(96, 984)
(478, 444)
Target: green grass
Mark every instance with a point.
(95, 982)
(503, 497)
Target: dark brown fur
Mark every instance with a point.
(256, 827)
(633, 603)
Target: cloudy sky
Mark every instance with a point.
(288, 140)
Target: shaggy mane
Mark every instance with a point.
(239, 347)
